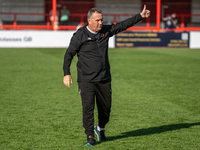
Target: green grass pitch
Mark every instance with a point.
(155, 101)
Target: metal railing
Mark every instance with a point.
(81, 18)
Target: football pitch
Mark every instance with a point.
(155, 100)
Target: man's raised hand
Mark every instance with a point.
(145, 12)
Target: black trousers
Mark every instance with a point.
(102, 92)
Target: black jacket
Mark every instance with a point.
(92, 51)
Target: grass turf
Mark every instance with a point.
(155, 105)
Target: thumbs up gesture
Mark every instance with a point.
(145, 12)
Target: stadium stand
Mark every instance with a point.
(34, 14)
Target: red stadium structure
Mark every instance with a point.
(147, 24)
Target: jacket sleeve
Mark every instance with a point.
(121, 26)
(70, 53)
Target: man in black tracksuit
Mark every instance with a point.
(90, 43)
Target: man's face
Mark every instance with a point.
(173, 15)
(95, 22)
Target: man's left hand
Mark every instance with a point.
(145, 12)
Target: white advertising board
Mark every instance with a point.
(37, 39)
(194, 39)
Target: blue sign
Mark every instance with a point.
(152, 39)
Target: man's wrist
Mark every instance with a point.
(65, 74)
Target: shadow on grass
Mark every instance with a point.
(153, 130)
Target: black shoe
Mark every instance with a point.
(90, 141)
(100, 134)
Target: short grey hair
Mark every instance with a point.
(93, 10)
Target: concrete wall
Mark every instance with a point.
(118, 7)
(22, 6)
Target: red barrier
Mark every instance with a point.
(82, 19)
